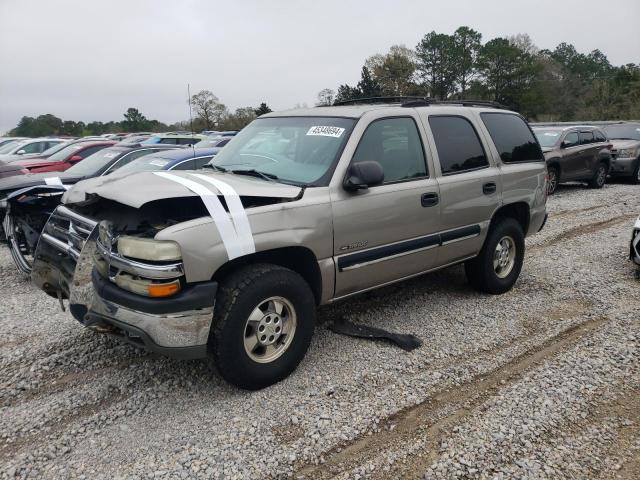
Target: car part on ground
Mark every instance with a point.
(407, 342)
(305, 205)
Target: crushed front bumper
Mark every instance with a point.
(64, 266)
(623, 167)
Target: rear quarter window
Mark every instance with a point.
(512, 137)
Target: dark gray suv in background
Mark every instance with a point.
(625, 137)
(575, 154)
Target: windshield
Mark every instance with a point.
(10, 146)
(56, 148)
(622, 132)
(94, 163)
(65, 153)
(298, 150)
(547, 138)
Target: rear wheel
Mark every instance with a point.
(600, 176)
(552, 184)
(263, 323)
(497, 267)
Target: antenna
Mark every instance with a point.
(190, 118)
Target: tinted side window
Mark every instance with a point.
(188, 165)
(170, 141)
(571, 139)
(512, 138)
(586, 137)
(187, 141)
(395, 144)
(91, 150)
(458, 145)
(599, 136)
(35, 147)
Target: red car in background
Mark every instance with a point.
(58, 162)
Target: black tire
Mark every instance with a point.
(554, 178)
(480, 271)
(635, 178)
(241, 293)
(600, 176)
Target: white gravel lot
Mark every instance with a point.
(542, 382)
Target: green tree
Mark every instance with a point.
(134, 121)
(262, 109)
(238, 119)
(507, 72)
(368, 86)
(466, 45)
(437, 64)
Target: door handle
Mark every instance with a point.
(489, 188)
(429, 199)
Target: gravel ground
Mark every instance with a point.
(542, 382)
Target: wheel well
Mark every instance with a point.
(519, 211)
(299, 259)
(554, 163)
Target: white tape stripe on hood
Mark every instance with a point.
(220, 217)
(236, 209)
(55, 181)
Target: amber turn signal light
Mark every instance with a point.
(163, 289)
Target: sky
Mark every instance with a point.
(91, 60)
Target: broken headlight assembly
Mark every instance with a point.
(149, 249)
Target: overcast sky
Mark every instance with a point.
(91, 60)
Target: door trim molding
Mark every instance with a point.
(394, 250)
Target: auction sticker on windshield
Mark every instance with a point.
(326, 131)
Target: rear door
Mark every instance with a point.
(589, 153)
(469, 180)
(390, 231)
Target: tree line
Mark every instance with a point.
(545, 85)
(210, 115)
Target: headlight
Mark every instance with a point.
(149, 249)
(627, 152)
(3, 203)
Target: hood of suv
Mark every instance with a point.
(620, 144)
(144, 187)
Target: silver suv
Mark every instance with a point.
(302, 208)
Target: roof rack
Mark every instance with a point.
(408, 101)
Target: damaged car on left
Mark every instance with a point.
(634, 247)
(26, 201)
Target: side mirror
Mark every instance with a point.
(363, 175)
(20, 152)
(75, 158)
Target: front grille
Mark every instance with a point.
(68, 231)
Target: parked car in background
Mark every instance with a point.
(30, 145)
(216, 133)
(136, 138)
(625, 137)
(575, 154)
(50, 151)
(218, 142)
(7, 140)
(176, 139)
(230, 263)
(27, 201)
(60, 161)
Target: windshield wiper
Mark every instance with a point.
(255, 173)
(217, 168)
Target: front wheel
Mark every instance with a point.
(498, 265)
(600, 177)
(263, 322)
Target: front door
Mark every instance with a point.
(572, 158)
(390, 231)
